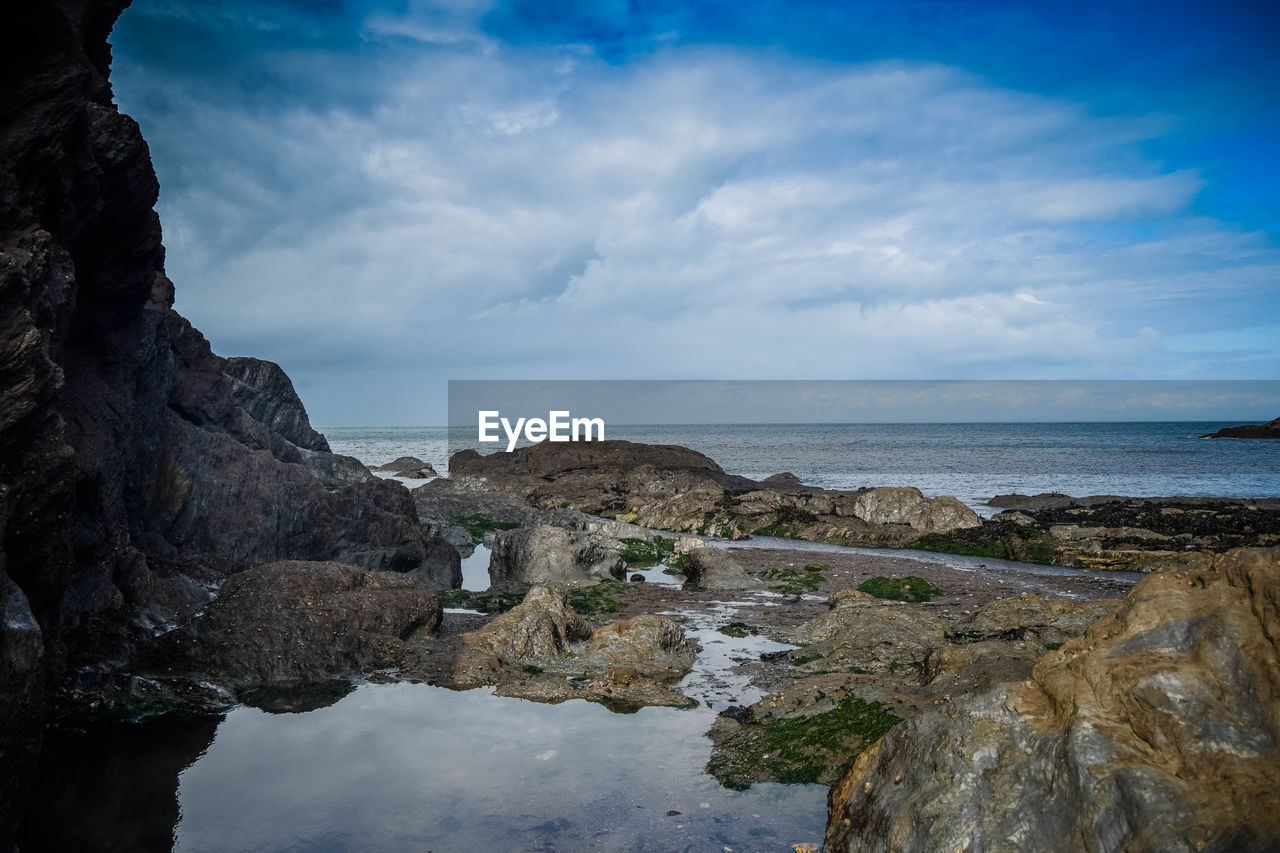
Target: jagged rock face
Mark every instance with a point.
(528, 556)
(266, 394)
(1157, 729)
(293, 620)
(712, 568)
(138, 467)
(130, 449)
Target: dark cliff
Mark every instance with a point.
(137, 468)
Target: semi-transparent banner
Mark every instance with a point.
(969, 438)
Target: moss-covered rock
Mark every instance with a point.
(909, 588)
(814, 748)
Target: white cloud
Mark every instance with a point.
(697, 213)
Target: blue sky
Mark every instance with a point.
(384, 196)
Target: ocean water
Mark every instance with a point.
(972, 461)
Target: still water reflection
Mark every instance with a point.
(411, 767)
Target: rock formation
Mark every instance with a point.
(1271, 429)
(138, 468)
(711, 568)
(528, 556)
(266, 394)
(543, 650)
(1158, 729)
(1115, 532)
(408, 466)
(674, 488)
(298, 621)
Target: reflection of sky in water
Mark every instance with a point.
(475, 570)
(413, 767)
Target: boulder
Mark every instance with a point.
(303, 621)
(652, 646)
(442, 567)
(528, 556)
(536, 632)
(408, 466)
(1032, 617)
(873, 638)
(712, 568)
(908, 505)
(1158, 729)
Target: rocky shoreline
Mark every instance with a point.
(178, 540)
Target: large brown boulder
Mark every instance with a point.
(1157, 729)
(650, 645)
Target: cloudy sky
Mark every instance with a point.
(383, 196)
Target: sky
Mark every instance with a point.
(385, 196)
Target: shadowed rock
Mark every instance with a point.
(297, 621)
(712, 568)
(409, 466)
(139, 468)
(266, 394)
(1271, 429)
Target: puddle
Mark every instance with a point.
(475, 569)
(716, 679)
(412, 767)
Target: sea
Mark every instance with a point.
(971, 461)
